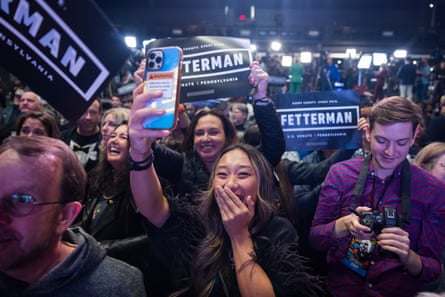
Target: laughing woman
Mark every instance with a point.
(232, 244)
(109, 213)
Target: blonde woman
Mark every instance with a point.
(432, 159)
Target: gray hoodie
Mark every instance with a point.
(86, 272)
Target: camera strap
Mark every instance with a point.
(405, 185)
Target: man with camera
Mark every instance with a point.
(398, 208)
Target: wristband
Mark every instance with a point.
(142, 165)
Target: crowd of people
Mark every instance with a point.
(105, 207)
(420, 79)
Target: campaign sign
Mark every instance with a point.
(320, 120)
(64, 50)
(213, 67)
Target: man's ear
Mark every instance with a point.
(68, 214)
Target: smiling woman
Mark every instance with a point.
(237, 244)
(109, 213)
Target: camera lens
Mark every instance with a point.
(158, 60)
(152, 56)
(151, 64)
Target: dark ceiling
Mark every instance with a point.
(366, 25)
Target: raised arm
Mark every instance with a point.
(272, 137)
(301, 173)
(145, 185)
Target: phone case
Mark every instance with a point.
(163, 72)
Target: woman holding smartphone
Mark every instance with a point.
(209, 132)
(232, 244)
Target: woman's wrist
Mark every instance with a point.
(140, 165)
(138, 156)
(259, 96)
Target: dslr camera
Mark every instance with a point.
(377, 220)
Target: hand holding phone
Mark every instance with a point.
(163, 72)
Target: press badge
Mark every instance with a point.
(358, 255)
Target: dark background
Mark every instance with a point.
(341, 24)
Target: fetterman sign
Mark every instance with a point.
(213, 66)
(320, 120)
(65, 50)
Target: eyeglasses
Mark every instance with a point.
(20, 205)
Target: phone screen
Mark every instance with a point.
(163, 71)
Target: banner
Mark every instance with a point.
(213, 67)
(320, 120)
(64, 50)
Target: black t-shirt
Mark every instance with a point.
(85, 147)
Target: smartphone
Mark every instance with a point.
(163, 72)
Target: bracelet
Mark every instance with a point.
(260, 99)
(142, 165)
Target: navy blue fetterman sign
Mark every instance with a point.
(320, 120)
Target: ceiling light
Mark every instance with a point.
(130, 41)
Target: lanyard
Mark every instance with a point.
(405, 185)
(387, 183)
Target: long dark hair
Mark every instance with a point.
(213, 251)
(105, 180)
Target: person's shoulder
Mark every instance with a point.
(352, 164)
(279, 221)
(118, 269)
(117, 278)
(437, 120)
(425, 180)
(280, 227)
(344, 172)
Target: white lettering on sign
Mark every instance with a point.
(319, 118)
(213, 63)
(48, 37)
(204, 65)
(51, 39)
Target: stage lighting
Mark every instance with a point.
(286, 61)
(364, 62)
(379, 59)
(306, 57)
(400, 53)
(130, 41)
(276, 45)
(147, 41)
(313, 33)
